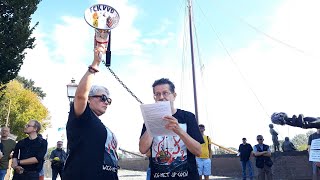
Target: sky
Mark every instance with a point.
(252, 58)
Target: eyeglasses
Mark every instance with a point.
(104, 98)
(164, 94)
(28, 125)
(259, 139)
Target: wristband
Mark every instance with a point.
(18, 162)
(92, 69)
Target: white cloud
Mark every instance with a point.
(283, 79)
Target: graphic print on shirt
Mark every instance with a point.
(110, 155)
(169, 156)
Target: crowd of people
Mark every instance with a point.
(92, 145)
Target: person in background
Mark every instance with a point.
(204, 160)
(263, 161)
(28, 156)
(148, 154)
(57, 159)
(287, 146)
(8, 147)
(315, 165)
(245, 152)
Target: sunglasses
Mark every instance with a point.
(259, 139)
(104, 98)
(28, 125)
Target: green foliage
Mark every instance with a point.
(15, 32)
(49, 152)
(300, 141)
(24, 106)
(29, 84)
(220, 151)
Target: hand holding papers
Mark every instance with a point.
(153, 118)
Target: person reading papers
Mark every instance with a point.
(172, 156)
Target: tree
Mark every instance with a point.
(24, 106)
(15, 32)
(300, 141)
(49, 151)
(29, 84)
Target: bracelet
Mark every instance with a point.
(92, 69)
(18, 162)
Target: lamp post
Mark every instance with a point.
(71, 90)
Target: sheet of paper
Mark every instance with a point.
(315, 144)
(314, 154)
(152, 116)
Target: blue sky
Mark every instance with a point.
(241, 84)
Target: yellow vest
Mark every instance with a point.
(205, 147)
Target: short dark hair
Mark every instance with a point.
(164, 81)
(244, 138)
(59, 141)
(201, 125)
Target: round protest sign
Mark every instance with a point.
(102, 16)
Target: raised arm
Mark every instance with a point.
(82, 92)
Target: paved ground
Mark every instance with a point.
(139, 175)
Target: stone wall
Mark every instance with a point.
(289, 165)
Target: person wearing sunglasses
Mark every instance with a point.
(264, 163)
(28, 155)
(173, 157)
(91, 145)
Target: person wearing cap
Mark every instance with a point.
(263, 161)
(245, 152)
(204, 160)
(91, 145)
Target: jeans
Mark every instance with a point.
(3, 173)
(265, 173)
(55, 172)
(148, 174)
(244, 165)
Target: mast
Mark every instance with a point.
(192, 62)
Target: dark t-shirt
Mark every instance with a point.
(92, 148)
(170, 158)
(245, 151)
(27, 148)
